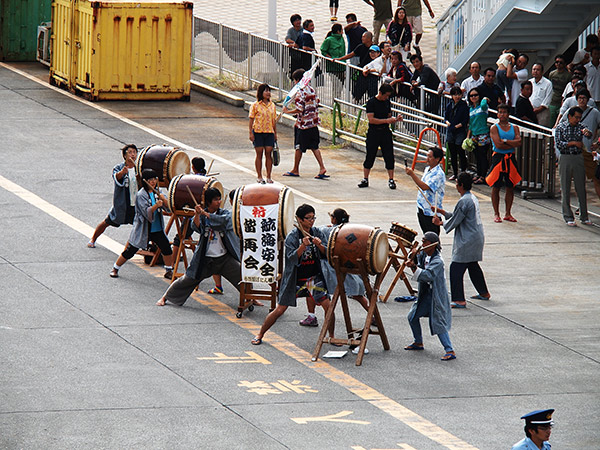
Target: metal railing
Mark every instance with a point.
(591, 29)
(343, 89)
(460, 24)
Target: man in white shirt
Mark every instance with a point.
(593, 74)
(583, 56)
(474, 80)
(518, 74)
(382, 64)
(542, 95)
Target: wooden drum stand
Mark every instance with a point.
(248, 293)
(373, 311)
(398, 259)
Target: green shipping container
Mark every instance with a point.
(19, 20)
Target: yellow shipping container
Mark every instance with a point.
(121, 50)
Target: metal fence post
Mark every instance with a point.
(422, 98)
(249, 61)
(280, 72)
(221, 50)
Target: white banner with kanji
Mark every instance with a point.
(259, 243)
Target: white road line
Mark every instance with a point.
(59, 214)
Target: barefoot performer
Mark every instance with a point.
(303, 275)
(217, 251)
(147, 225)
(126, 188)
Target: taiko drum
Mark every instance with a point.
(261, 195)
(167, 162)
(180, 200)
(351, 242)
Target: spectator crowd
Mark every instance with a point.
(563, 98)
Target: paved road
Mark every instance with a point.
(90, 362)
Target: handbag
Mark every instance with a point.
(276, 154)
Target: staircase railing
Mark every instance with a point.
(459, 25)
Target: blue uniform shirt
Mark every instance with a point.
(527, 444)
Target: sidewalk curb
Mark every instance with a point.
(218, 94)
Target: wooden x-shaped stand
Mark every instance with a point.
(373, 312)
(397, 260)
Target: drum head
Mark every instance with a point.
(214, 183)
(235, 211)
(286, 212)
(380, 250)
(171, 192)
(179, 163)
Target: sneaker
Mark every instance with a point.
(363, 183)
(452, 178)
(309, 321)
(355, 351)
(169, 274)
(587, 222)
(114, 273)
(417, 49)
(216, 290)
(392, 184)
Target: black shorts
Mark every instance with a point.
(264, 139)
(158, 237)
(379, 138)
(306, 139)
(129, 215)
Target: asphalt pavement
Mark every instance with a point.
(91, 362)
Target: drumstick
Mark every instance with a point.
(436, 202)
(191, 195)
(304, 233)
(212, 174)
(156, 191)
(424, 196)
(210, 166)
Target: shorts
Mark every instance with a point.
(158, 237)
(129, 215)
(264, 139)
(416, 24)
(306, 139)
(592, 169)
(313, 287)
(503, 179)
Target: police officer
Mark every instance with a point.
(538, 426)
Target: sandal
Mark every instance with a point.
(448, 356)
(291, 174)
(510, 219)
(91, 244)
(216, 290)
(497, 219)
(256, 341)
(260, 181)
(414, 346)
(269, 181)
(322, 176)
